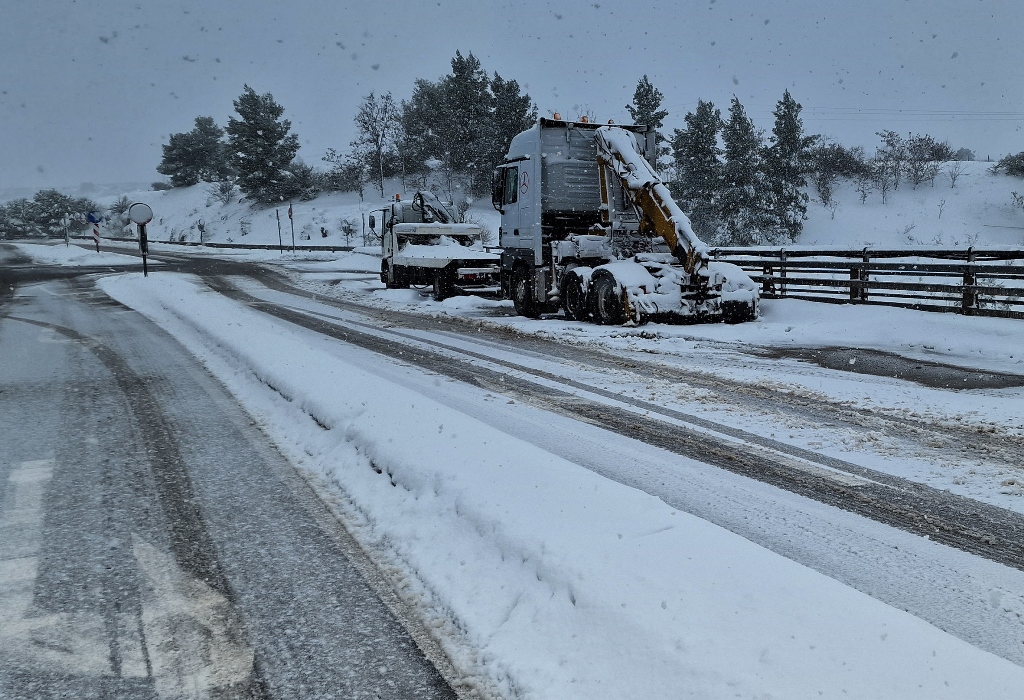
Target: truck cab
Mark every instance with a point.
(548, 189)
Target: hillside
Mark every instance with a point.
(977, 211)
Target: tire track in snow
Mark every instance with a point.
(968, 525)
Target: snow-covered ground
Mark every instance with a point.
(543, 579)
(546, 580)
(977, 211)
(74, 255)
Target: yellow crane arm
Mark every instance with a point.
(617, 151)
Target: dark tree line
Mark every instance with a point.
(745, 191)
(738, 185)
(448, 135)
(255, 152)
(741, 189)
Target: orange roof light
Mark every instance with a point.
(584, 119)
(557, 117)
(611, 121)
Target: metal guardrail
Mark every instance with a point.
(239, 246)
(975, 281)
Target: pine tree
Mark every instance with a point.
(696, 159)
(646, 109)
(468, 104)
(746, 200)
(261, 149)
(445, 125)
(197, 155)
(513, 112)
(786, 161)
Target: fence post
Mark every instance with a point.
(970, 298)
(865, 275)
(782, 272)
(768, 281)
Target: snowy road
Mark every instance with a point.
(937, 584)
(767, 460)
(153, 544)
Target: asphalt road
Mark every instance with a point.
(153, 544)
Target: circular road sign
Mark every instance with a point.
(140, 213)
(94, 217)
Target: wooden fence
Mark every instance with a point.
(971, 281)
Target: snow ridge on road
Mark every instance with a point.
(562, 584)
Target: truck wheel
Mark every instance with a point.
(606, 300)
(442, 285)
(384, 273)
(574, 299)
(401, 280)
(522, 293)
(739, 311)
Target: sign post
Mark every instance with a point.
(95, 218)
(280, 243)
(293, 226)
(141, 214)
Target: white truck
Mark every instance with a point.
(587, 225)
(422, 245)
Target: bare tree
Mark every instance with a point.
(378, 125)
(864, 186)
(893, 154)
(882, 176)
(1018, 200)
(954, 170)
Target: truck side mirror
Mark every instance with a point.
(497, 188)
(373, 222)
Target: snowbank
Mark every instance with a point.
(550, 580)
(76, 255)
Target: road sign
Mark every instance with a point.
(140, 213)
(94, 217)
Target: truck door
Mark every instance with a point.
(510, 233)
(387, 235)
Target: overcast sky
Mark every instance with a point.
(90, 89)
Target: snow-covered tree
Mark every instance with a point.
(16, 219)
(44, 214)
(746, 198)
(262, 149)
(646, 109)
(197, 155)
(1011, 165)
(697, 164)
(829, 161)
(786, 161)
(446, 124)
(924, 157)
(892, 156)
(458, 128)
